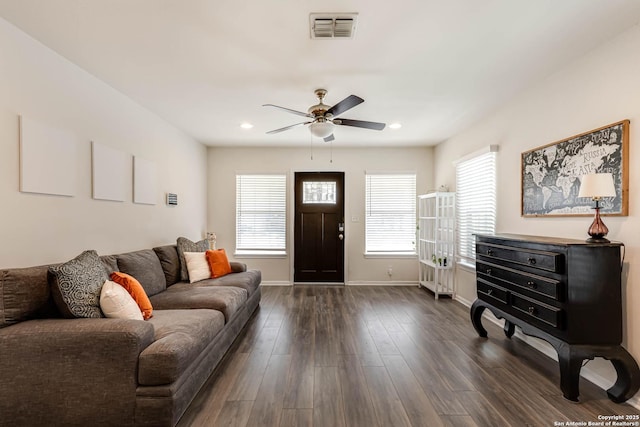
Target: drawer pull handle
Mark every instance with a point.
(531, 285)
(488, 271)
(489, 252)
(531, 261)
(489, 291)
(531, 310)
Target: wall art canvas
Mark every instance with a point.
(551, 173)
(111, 172)
(48, 159)
(144, 181)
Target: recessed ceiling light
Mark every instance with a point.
(395, 125)
(246, 125)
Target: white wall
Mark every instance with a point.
(224, 163)
(598, 89)
(37, 229)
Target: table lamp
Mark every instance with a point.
(596, 186)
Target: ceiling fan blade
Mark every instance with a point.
(346, 104)
(360, 124)
(287, 128)
(329, 138)
(299, 113)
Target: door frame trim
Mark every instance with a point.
(291, 215)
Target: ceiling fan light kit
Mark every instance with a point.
(324, 118)
(321, 129)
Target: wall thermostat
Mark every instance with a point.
(172, 199)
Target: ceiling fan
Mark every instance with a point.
(324, 117)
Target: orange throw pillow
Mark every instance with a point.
(136, 290)
(218, 262)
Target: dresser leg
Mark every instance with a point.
(628, 381)
(476, 318)
(570, 365)
(509, 328)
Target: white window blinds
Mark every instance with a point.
(261, 213)
(390, 223)
(475, 201)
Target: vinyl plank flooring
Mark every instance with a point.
(417, 405)
(234, 414)
(297, 418)
(267, 407)
(366, 356)
(328, 407)
(389, 409)
(358, 407)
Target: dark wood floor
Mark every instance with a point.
(382, 356)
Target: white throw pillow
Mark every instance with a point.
(116, 302)
(197, 266)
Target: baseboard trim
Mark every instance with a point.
(276, 283)
(381, 283)
(549, 351)
(350, 283)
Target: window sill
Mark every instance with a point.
(260, 254)
(467, 266)
(390, 255)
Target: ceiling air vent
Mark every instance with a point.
(333, 25)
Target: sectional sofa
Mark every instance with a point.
(57, 371)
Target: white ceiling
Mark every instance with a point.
(436, 66)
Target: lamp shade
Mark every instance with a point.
(321, 129)
(597, 185)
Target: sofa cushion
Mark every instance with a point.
(183, 295)
(248, 280)
(185, 245)
(170, 262)
(110, 263)
(136, 291)
(145, 266)
(25, 294)
(180, 337)
(116, 303)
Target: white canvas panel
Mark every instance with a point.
(48, 159)
(144, 181)
(111, 171)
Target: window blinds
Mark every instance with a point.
(390, 223)
(261, 212)
(475, 202)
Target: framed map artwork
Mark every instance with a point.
(551, 173)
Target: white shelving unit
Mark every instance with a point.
(437, 242)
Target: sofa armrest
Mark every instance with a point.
(71, 371)
(238, 267)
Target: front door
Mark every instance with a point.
(319, 227)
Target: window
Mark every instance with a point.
(390, 223)
(261, 214)
(475, 200)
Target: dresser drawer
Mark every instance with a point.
(543, 260)
(537, 310)
(492, 291)
(541, 285)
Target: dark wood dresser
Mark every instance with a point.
(566, 292)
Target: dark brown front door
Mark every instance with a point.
(319, 227)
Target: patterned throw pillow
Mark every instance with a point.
(76, 285)
(186, 245)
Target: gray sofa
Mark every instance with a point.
(115, 372)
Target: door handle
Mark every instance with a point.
(340, 236)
